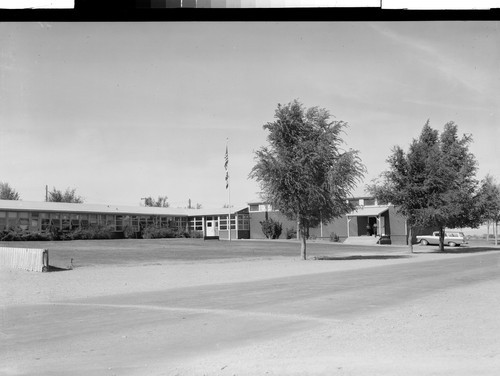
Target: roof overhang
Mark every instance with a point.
(370, 211)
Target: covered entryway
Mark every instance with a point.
(368, 221)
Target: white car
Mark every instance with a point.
(453, 239)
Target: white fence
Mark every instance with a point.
(33, 259)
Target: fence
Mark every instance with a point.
(32, 259)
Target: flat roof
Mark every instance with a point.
(368, 211)
(19, 205)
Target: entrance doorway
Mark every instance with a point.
(212, 227)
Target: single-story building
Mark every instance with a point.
(40, 216)
(368, 219)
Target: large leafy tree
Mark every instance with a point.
(8, 193)
(489, 195)
(433, 184)
(160, 202)
(304, 172)
(69, 195)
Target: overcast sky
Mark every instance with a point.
(121, 111)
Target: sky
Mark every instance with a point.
(121, 111)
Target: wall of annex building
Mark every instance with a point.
(336, 227)
(397, 228)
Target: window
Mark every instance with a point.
(223, 223)
(34, 222)
(182, 222)
(119, 223)
(23, 221)
(101, 219)
(164, 222)
(196, 223)
(65, 222)
(45, 221)
(135, 223)
(354, 202)
(55, 220)
(253, 207)
(369, 201)
(243, 222)
(84, 220)
(110, 221)
(12, 219)
(75, 220)
(3, 220)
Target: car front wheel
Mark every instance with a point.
(424, 242)
(452, 244)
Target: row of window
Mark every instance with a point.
(35, 221)
(220, 222)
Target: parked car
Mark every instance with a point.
(452, 238)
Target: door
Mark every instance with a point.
(210, 228)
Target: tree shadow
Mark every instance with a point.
(360, 257)
(460, 250)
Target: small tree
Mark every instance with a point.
(161, 202)
(489, 202)
(303, 172)
(69, 195)
(8, 193)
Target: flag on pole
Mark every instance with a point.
(226, 163)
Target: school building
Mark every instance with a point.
(365, 224)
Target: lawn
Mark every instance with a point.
(141, 251)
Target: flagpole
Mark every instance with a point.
(228, 187)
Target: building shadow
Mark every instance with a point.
(360, 257)
(51, 268)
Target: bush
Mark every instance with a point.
(291, 233)
(153, 232)
(334, 237)
(196, 234)
(92, 232)
(18, 234)
(271, 228)
(129, 232)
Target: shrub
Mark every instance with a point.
(334, 237)
(129, 232)
(291, 233)
(271, 228)
(153, 232)
(92, 232)
(196, 234)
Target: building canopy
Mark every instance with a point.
(368, 211)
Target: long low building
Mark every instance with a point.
(41, 216)
(370, 219)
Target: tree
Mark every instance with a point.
(489, 197)
(160, 202)
(69, 195)
(8, 193)
(433, 184)
(303, 172)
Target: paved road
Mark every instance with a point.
(121, 334)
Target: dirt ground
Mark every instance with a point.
(452, 332)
